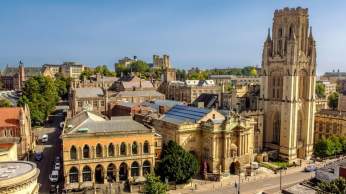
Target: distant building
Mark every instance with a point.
(342, 102)
(330, 87)
(98, 150)
(221, 143)
(71, 69)
(15, 127)
(126, 61)
(334, 76)
(331, 171)
(236, 80)
(18, 177)
(97, 80)
(161, 62)
(89, 98)
(14, 78)
(190, 90)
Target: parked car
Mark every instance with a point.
(52, 189)
(310, 168)
(57, 166)
(57, 159)
(54, 176)
(44, 138)
(62, 125)
(38, 156)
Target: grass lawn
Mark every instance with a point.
(280, 164)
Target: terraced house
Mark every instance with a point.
(97, 150)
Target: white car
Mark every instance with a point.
(57, 166)
(44, 138)
(54, 177)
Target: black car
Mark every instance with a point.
(52, 189)
(38, 156)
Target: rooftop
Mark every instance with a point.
(180, 114)
(90, 123)
(89, 92)
(139, 93)
(13, 169)
(9, 117)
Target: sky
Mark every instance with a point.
(202, 33)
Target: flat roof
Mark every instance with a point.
(12, 169)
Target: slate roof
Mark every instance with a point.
(139, 93)
(157, 103)
(29, 71)
(89, 92)
(94, 123)
(209, 100)
(180, 114)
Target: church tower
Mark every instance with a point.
(288, 91)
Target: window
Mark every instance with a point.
(146, 147)
(134, 148)
(86, 174)
(86, 152)
(80, 104)
(73, 153)
(134, 169)
(95, 103)
(98, 151)
(102, 103)
(276, 128)
(123, 149)
(73, 175)
(146, 167)
(111, 150)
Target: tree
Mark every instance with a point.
(333, 100)
(335, 186)
(87, 73)
(253, 72)
(5, 103)
(154, 185)
(320, 90)
(103, 70)
(324, 148)
(41, 95)
(139, 66)
(176, 164)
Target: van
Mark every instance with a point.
(54, 177)
(44, 138)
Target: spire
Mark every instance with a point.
(268, 36)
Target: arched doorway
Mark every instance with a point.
(146, 167)
(123, 173)
(234, 168)
(134, 169)
(111, 173)
(99, 174)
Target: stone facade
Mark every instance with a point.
(329, 123)
(288, 93)
(98, 150)
(15, 127)
(218, 141)
(161, 62)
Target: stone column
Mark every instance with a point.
(129, 172)
(140, 170)
(117, 178)
(80, 177)
(105, 176)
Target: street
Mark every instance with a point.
(269, 185)
(50, 149)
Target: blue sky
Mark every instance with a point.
(203, 33)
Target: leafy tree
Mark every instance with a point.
(154, 185)
(333, 100)
(181, 74)
(320, 90)
(5, 103)
(177, 164)
(87, 73)
(324, 148)
(41, 95)
(253, 72)
(139, 66)
(335, 186)
(103, 70)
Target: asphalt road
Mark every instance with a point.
(269, 185)
(51, 149)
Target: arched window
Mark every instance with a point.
(86, 173)
(123, 149)
(291, 31)
(146, 147)
(134, 148)
(73, 153)
(303, 84)
(86, 152)
(299, 127)
(111, 173)
(276, 128)
(134, 169)
(111, 150)
(73, 175)
(146, 167)
(98, 151)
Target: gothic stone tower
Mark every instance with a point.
(288, 91)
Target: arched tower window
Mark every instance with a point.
(299, 126)
(291, 31)
(98, 150)
(86, 151)
(134, 148)
(276, 128)
(302, 84)
(146, 147)
(111, 150)
(73, 153)
(276, 85)
(123, 149)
